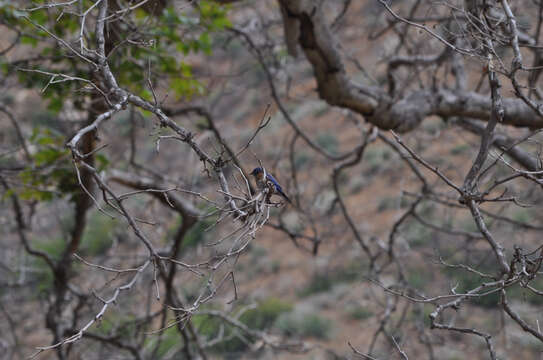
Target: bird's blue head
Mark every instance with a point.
(257, 171)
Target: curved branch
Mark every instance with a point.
(335, 86)
(143, 183)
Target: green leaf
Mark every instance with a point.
(4, 68)
(145, 113)
(47, 156)
(183, 47)
(26, 176)
(46, 140)
(34, 194)
(8, 193)
(102, 161)
(27, 40)
(140, 14)
(221, 23)
(205, 43)
(39, 17)
(55, 104)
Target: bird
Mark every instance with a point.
(270, 182)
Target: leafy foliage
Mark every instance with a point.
(51, 173)
(359, 313)
(159, 34)
(305, 325)
(169, 340)
(99, 234)
(321, 282)
(259, 318)
(263, 316)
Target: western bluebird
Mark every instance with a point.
(270, 182)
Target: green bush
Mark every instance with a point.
(99, 234)
(301, 158)
(197, 234)
(321, 282)
(54, 247)
(393, 202)
(524, 294)
(321, 110)
(460, 149)
(416, 234)
(523, 215)
(318, 283)
(97, 238)
(388, 203)
(259, 318)
(359, 313)
(258, 252)
(207, 325)
(376, 158)
(118, 324)
(419, 278)
(421, 313)
(169, 339)
(468, 224)
(468, 281)
(44, 277)
(46, 119)
(264, 315)
(328, 142)
(304, 325)
(275, 266)
(433, 125)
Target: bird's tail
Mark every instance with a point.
(285, 196)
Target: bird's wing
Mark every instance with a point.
(275, 183)
(277, 187)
